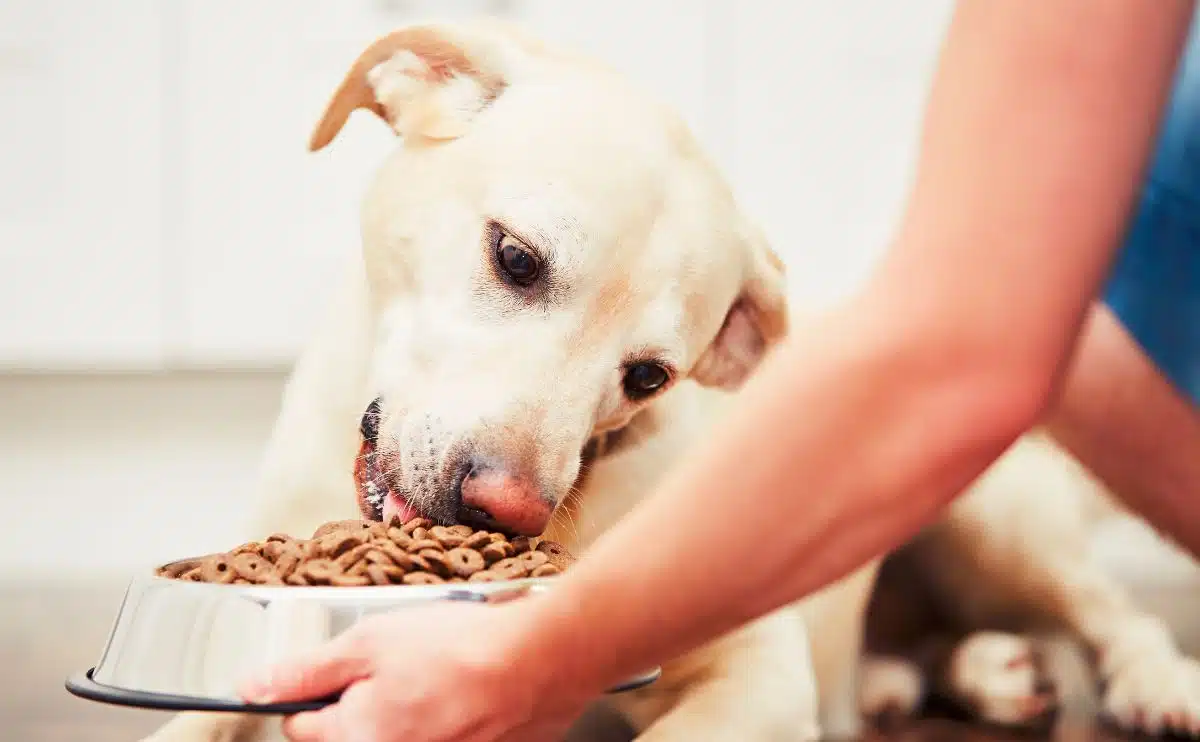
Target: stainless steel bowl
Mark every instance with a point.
(186, 645)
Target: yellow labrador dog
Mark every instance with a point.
(556, 294)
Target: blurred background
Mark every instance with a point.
(166, 239)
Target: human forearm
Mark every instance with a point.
(841, 476)
(1040, 122)
(1126, 423)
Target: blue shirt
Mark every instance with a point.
(1154, 288)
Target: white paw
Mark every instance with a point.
(1155, 693)
(889, 688)
(999, 677)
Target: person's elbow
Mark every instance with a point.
(974, 398)
(994, 394)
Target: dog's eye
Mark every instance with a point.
(521, 265)
(643, 379)
(369, 425)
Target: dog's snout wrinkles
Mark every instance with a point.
(513, 502)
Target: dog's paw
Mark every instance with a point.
(999, 677)
(890, 690)
(1154, 694)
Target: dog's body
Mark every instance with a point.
(651, 268)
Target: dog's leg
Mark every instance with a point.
(187, 727)
(756, 685)
(999, 677)
(835, 618)
(306, 476)
(1022, 537)
(1149, 685)
(890, 689)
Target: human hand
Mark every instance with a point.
(447, 673)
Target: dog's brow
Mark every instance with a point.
(540, 217)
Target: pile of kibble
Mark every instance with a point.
(356, 553)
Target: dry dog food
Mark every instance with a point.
(357, 553)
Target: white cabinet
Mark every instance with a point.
(81, 281)
(262, 222)
(670, 47)
(827, 104)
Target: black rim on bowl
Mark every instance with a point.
(82, 686)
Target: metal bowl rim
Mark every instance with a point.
(331, 593)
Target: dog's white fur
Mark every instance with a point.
(653, 255)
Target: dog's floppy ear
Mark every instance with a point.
(757, 319)
(424, 81)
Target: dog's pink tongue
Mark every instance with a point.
(395, 505)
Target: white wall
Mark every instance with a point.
(107, 474)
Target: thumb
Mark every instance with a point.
(320, 672)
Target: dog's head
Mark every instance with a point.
(547, 254)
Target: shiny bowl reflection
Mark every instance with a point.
(186, 645)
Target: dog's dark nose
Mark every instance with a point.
(493, 497)
(368, 426)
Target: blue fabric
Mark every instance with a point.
(1154, 288)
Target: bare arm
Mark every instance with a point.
(1127, 424)
(859, 430)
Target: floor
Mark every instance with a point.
(49, 632)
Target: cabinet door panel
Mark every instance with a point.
(80, 140)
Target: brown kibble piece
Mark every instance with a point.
(512, 568)
(180, 568)
(477, 540)
(486, 576)
(533, 559)
(557, 553)
(422, 544)
(354, 556)
(398, 537)
(414, 524)
(461, 530)
(350, 580)
(339, 542)
(218, 569)
(286, 564)
(465, 562)
(252, 567)
(520, 545)
(318, 571)
(274, 549)
(422, 578)
(438, 562)
(546, 570)
(493, 552)
(383, 574)
(446, 537)
(395, 554)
